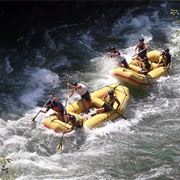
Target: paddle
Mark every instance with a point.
(40, 110)
(138, 53)
(59, 146)
(121, 115)
(116, 111)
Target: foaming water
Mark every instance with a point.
(54, 54)
(40, 80)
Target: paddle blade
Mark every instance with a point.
(59, 147)
(33, 120)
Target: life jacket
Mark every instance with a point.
(109, 101)
(78, 123)
(56, 106)
(146, 65)
(140, 48)
(165, 58)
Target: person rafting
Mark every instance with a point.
(58, 107)
(165, 59)
(75, 122)
(140, 51)
(141, 47)
(119, 56)
(83, 91)
(109, 100)
(146, 66)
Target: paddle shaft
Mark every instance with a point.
(116, 111)
(41, 109)
(59, 146)
(139, 52)
(121, 115)
(60, 143)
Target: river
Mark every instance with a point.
(46, 44)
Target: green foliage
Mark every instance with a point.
(5, 172)
(175, 13)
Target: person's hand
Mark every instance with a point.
(68, 84)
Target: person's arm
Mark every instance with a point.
(44, 110)
(136, 48)
(54, 98)
(72, 92)
(145, 47)
(104, 97)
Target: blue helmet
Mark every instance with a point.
(166, 49)
(145, 59)
(112, 48)
(141, 39)
(74, 83)
(72, 117)
(111, 92)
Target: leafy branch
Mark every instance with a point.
(5, 172)
(175, 13)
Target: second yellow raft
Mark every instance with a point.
(132, 75)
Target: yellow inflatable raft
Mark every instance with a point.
(77, 109)
(132, 75)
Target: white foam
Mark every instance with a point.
(37, 82)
